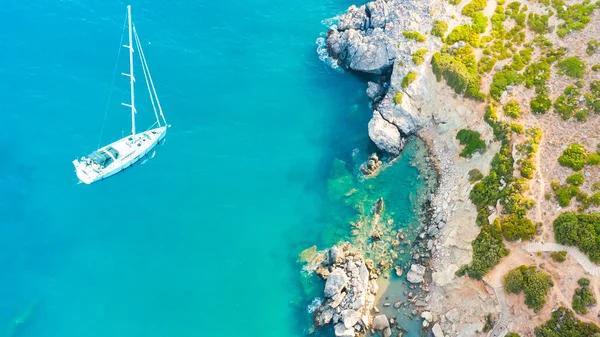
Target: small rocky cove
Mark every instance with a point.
(375, 281)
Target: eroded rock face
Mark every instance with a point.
(349, 294)
(385, 135)
(368, 39)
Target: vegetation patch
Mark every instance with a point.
(472, 142)
(575, 179)
(515, 227)
(534, 283)
(512, 109)
(408, 79)
(439, 29)
(560, 256)
(416, 36)
(575, 17)
(398, 97)
(488, 249)
(419, 56)
(580, 230)
(475, 175)
(583, 298)
(540, 104)
(564, 324)
(573, 156)
(572, 67)
(459, 70)
(592, 47)
(473, 7)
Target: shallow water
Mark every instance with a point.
(202, 238)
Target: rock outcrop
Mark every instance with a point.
(349, 294)
(369, 40)
(372, 165)
(415, 274)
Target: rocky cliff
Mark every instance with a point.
(369, 40)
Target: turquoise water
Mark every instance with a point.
(202, 239)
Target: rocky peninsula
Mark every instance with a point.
(441, 68)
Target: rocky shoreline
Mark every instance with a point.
(368, 40)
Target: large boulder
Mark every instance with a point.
(415, 275)
(350, 317)
(370, 53)
(437, 331)
(342, 331)
(336, 281)
(323, 316)
(382, 324)
(385, 135)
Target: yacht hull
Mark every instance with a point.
(117, 156)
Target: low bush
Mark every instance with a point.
(575, 179)
(567, 103)
(473, 7)
(527, 169)
(540, 104)
(398, 97)
(472, 142)
(581, 230)
(464, 33)
(486, 64)
(479, 22)
(583, 298)
(439, 29)
(538, 23)
(560, 256)
(592, 46)
(408, 79)
(596, 67)
(572, 67)
(573, 156)
(475, 175)
(512, 109)
(534, 283)
(515, 227)
(593, 159)
(463, 80)
(488, 249)
(564, 324)
(502, 79)
(412, 35)
(419, 56)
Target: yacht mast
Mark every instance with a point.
(131, 78)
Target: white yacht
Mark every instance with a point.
(116, 157)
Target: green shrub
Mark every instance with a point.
(527, 169)
(517, 128)
(486, 64)
(501, 80)
(579, 230)
(575, 179)
(464, 33)
(583, 298)
(398, 97)
(537, 74)
(512, 109)
(575, 17)
(488, 249)
(473, 7)
(581, 115)
(408, 79)
(419, 56)
(596, 67)
(560, 256)
(463, 80)
(412, 35)
(564, 324)
(593, 159)
(564, 194)
(454, 2)
(439, 28)
(512, 334)
(572, 67)
(515, 228)
(573, 156)
(566, 104)
(540, 104)
(592, 46)
(479, 22)
(534, 283)
(475, 175)
(538, 23)
(472, 142)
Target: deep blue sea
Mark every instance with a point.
(202, 239)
